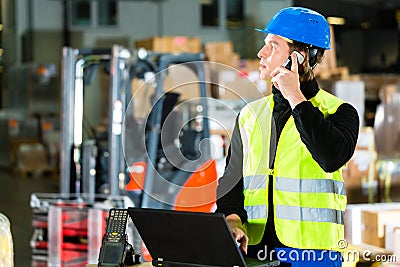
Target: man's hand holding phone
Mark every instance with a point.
(286, 79)
(288, 62)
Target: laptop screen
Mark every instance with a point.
(187, 237)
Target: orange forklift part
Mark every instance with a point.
(199, 192)
(136, 174)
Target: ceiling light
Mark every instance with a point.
(336, 20)
(365, 25)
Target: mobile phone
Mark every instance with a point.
(288, 62)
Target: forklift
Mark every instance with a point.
(150, 158)
(168, 149)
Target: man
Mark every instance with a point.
(282, 190)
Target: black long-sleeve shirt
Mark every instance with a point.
(331, 142)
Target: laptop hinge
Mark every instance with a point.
(158, 262)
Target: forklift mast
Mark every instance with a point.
(74, 64)
(155, 118)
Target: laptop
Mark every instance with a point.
(181, 238)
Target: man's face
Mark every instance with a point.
(272, 55)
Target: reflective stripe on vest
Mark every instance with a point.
(258, 208)
(309, 203)
(310, 185)
(309, 214)
(256, 212)
(255, 182)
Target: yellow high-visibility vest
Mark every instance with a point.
(309, 203)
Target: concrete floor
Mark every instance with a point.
(15, 192)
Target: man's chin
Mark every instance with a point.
(265, 78)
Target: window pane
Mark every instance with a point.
(209, 13)
(81, 12)
(107, 12)
(235, 16)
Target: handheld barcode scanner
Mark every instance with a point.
(115, 250)
(288, 62)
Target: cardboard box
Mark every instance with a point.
(359, 166)
(222, 52)
(392, 237)
(366, 139)
(360, 175)
(236, 85)
(328, 67)
(329, 61)
(352, 92)
(231, 60)
(215, 49)
(141, 98)
(222, 114)
(373, 225)
(32, 159)
(170, 44)
(179, 79)
(353, 221)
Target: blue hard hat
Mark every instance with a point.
(302, 25)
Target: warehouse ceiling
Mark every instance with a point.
(358, 13)
(389, 4)
(369, 38)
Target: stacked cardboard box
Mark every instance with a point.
(222, 52)
(375, 228)
(352, 92)
(328, 67)
(240, 85)
(392, 238)
(179, 79)
(243, 83)
(374, 223)
(170, 44)
(32, 160)
(360, 173)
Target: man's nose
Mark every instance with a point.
(263, 52)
